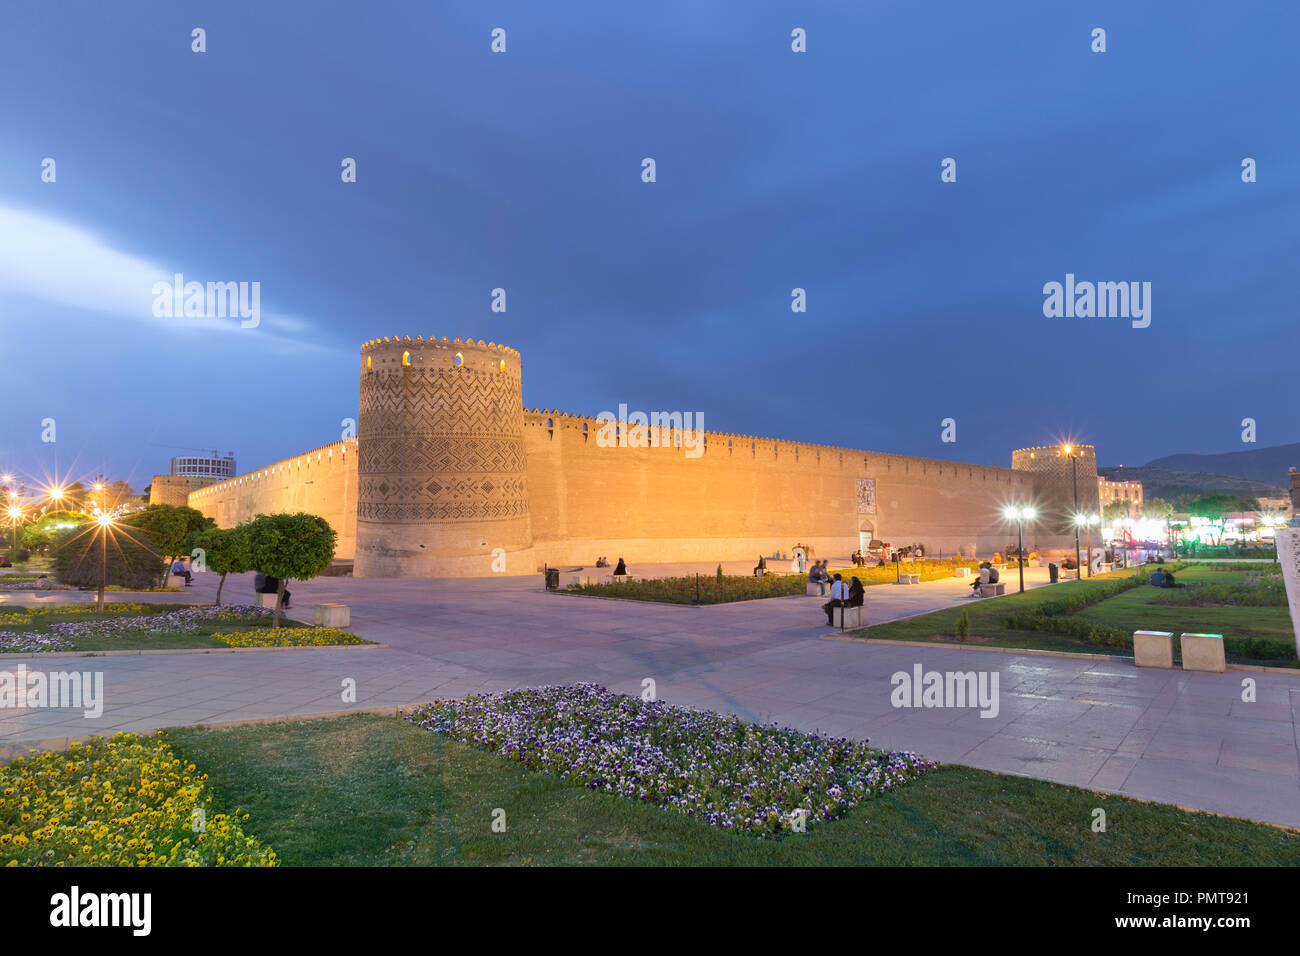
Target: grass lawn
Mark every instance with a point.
(1131, 610)
(11, 621)
(378, 791)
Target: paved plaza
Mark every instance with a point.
(1170, 736)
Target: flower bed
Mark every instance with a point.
(20, 642)
(125, 620)
(726, 771)
(683, 590)
(290, 637)
(182, 621)
(128, 801)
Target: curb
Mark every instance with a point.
(1037, 652)
(142, 652)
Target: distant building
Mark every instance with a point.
(216, 468)
(189, 474)
(1130, 492)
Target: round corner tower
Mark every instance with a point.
(1057, 470)
(442, 478)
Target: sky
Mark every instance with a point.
(775, 170)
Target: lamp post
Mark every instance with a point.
(105, 521)
(15, 515)
(1020, 515)
(1074, 469)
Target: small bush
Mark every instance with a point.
(963, 626)
(131, 562)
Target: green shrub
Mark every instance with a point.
(132, 564)
(963, 626)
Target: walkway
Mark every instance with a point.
(1170, 736)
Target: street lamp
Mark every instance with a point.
(1074, 468)
(1086, 521)
(1020, 515)
(15, 516)
(105, 522)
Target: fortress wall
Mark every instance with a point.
(745, 496)
(322, 482)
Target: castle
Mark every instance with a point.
(449, 476)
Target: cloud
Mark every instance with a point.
(53, 261)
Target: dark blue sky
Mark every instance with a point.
(775, 170)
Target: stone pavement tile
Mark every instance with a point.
(1258, 796)
(1176, 747)
(1114, 772)
(1257, 710)
(1260, 755)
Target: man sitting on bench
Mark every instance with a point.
(180, 571)
(265, 584)
(839, 598)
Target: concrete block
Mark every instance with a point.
(1203, 652)
(267, 600)
(333, 615)
(175, 581)
(850, 617)
(812, 590)
(1153, 649)
(909, 579)
(961, 573)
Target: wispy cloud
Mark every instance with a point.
(64, 264)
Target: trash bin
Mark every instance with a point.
(552, 579)
(1053, 571)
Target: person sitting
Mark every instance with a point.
(839, 598)
(180, 571)
(265, 584)
(985, 577)
(857, 593)
(1170, 582)
(760, 569)
(1158, 579)
(993, 575)
(621, 569)
(817, 575)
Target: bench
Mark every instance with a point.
(333, 615)
(909, 579)
(1153, 649)
(813, 589)
(849, 617)
(1203, 652)
(993, 590)
(175, 581)
(961, 573)
(267, 600)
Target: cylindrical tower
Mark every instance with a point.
(442, 478)
(1055, 468)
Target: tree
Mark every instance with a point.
(224, 551)
(1115, 511)
(80, 559)
(168, 527)
(289, 546)
(1157, 508)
